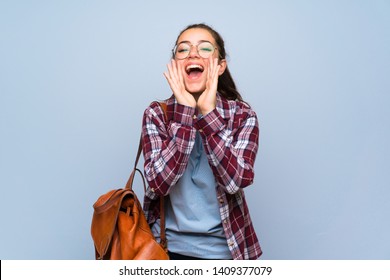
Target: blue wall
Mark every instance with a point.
(75, 77)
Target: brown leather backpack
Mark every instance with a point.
(119, 228)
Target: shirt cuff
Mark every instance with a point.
(210, 123)
(184, 114)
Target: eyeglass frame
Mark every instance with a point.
(192, 45)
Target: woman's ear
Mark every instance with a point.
(223, 65)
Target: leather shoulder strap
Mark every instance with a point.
(164, 108)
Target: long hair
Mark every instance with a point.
(226, 85)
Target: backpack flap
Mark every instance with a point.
(106, 210)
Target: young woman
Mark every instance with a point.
(200, 153)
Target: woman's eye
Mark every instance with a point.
(182, 50)
(206, 49)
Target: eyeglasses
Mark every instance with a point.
(205, 49)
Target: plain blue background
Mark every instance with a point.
(76, 76)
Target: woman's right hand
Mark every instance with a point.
(176, 83)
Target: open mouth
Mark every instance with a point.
(194, 71)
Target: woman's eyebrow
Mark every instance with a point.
(189, 42)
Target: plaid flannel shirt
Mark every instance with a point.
(230, 134)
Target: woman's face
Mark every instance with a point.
(194, 67)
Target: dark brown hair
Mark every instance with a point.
(226, 85)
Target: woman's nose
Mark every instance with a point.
(193, 51)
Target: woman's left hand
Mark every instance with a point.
(208, 99)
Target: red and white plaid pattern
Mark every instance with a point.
(230, 134)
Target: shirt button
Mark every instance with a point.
(225, 221)
(200, 130)
(194, 117)
(231, 244)
(221, 200)
(152, 189)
